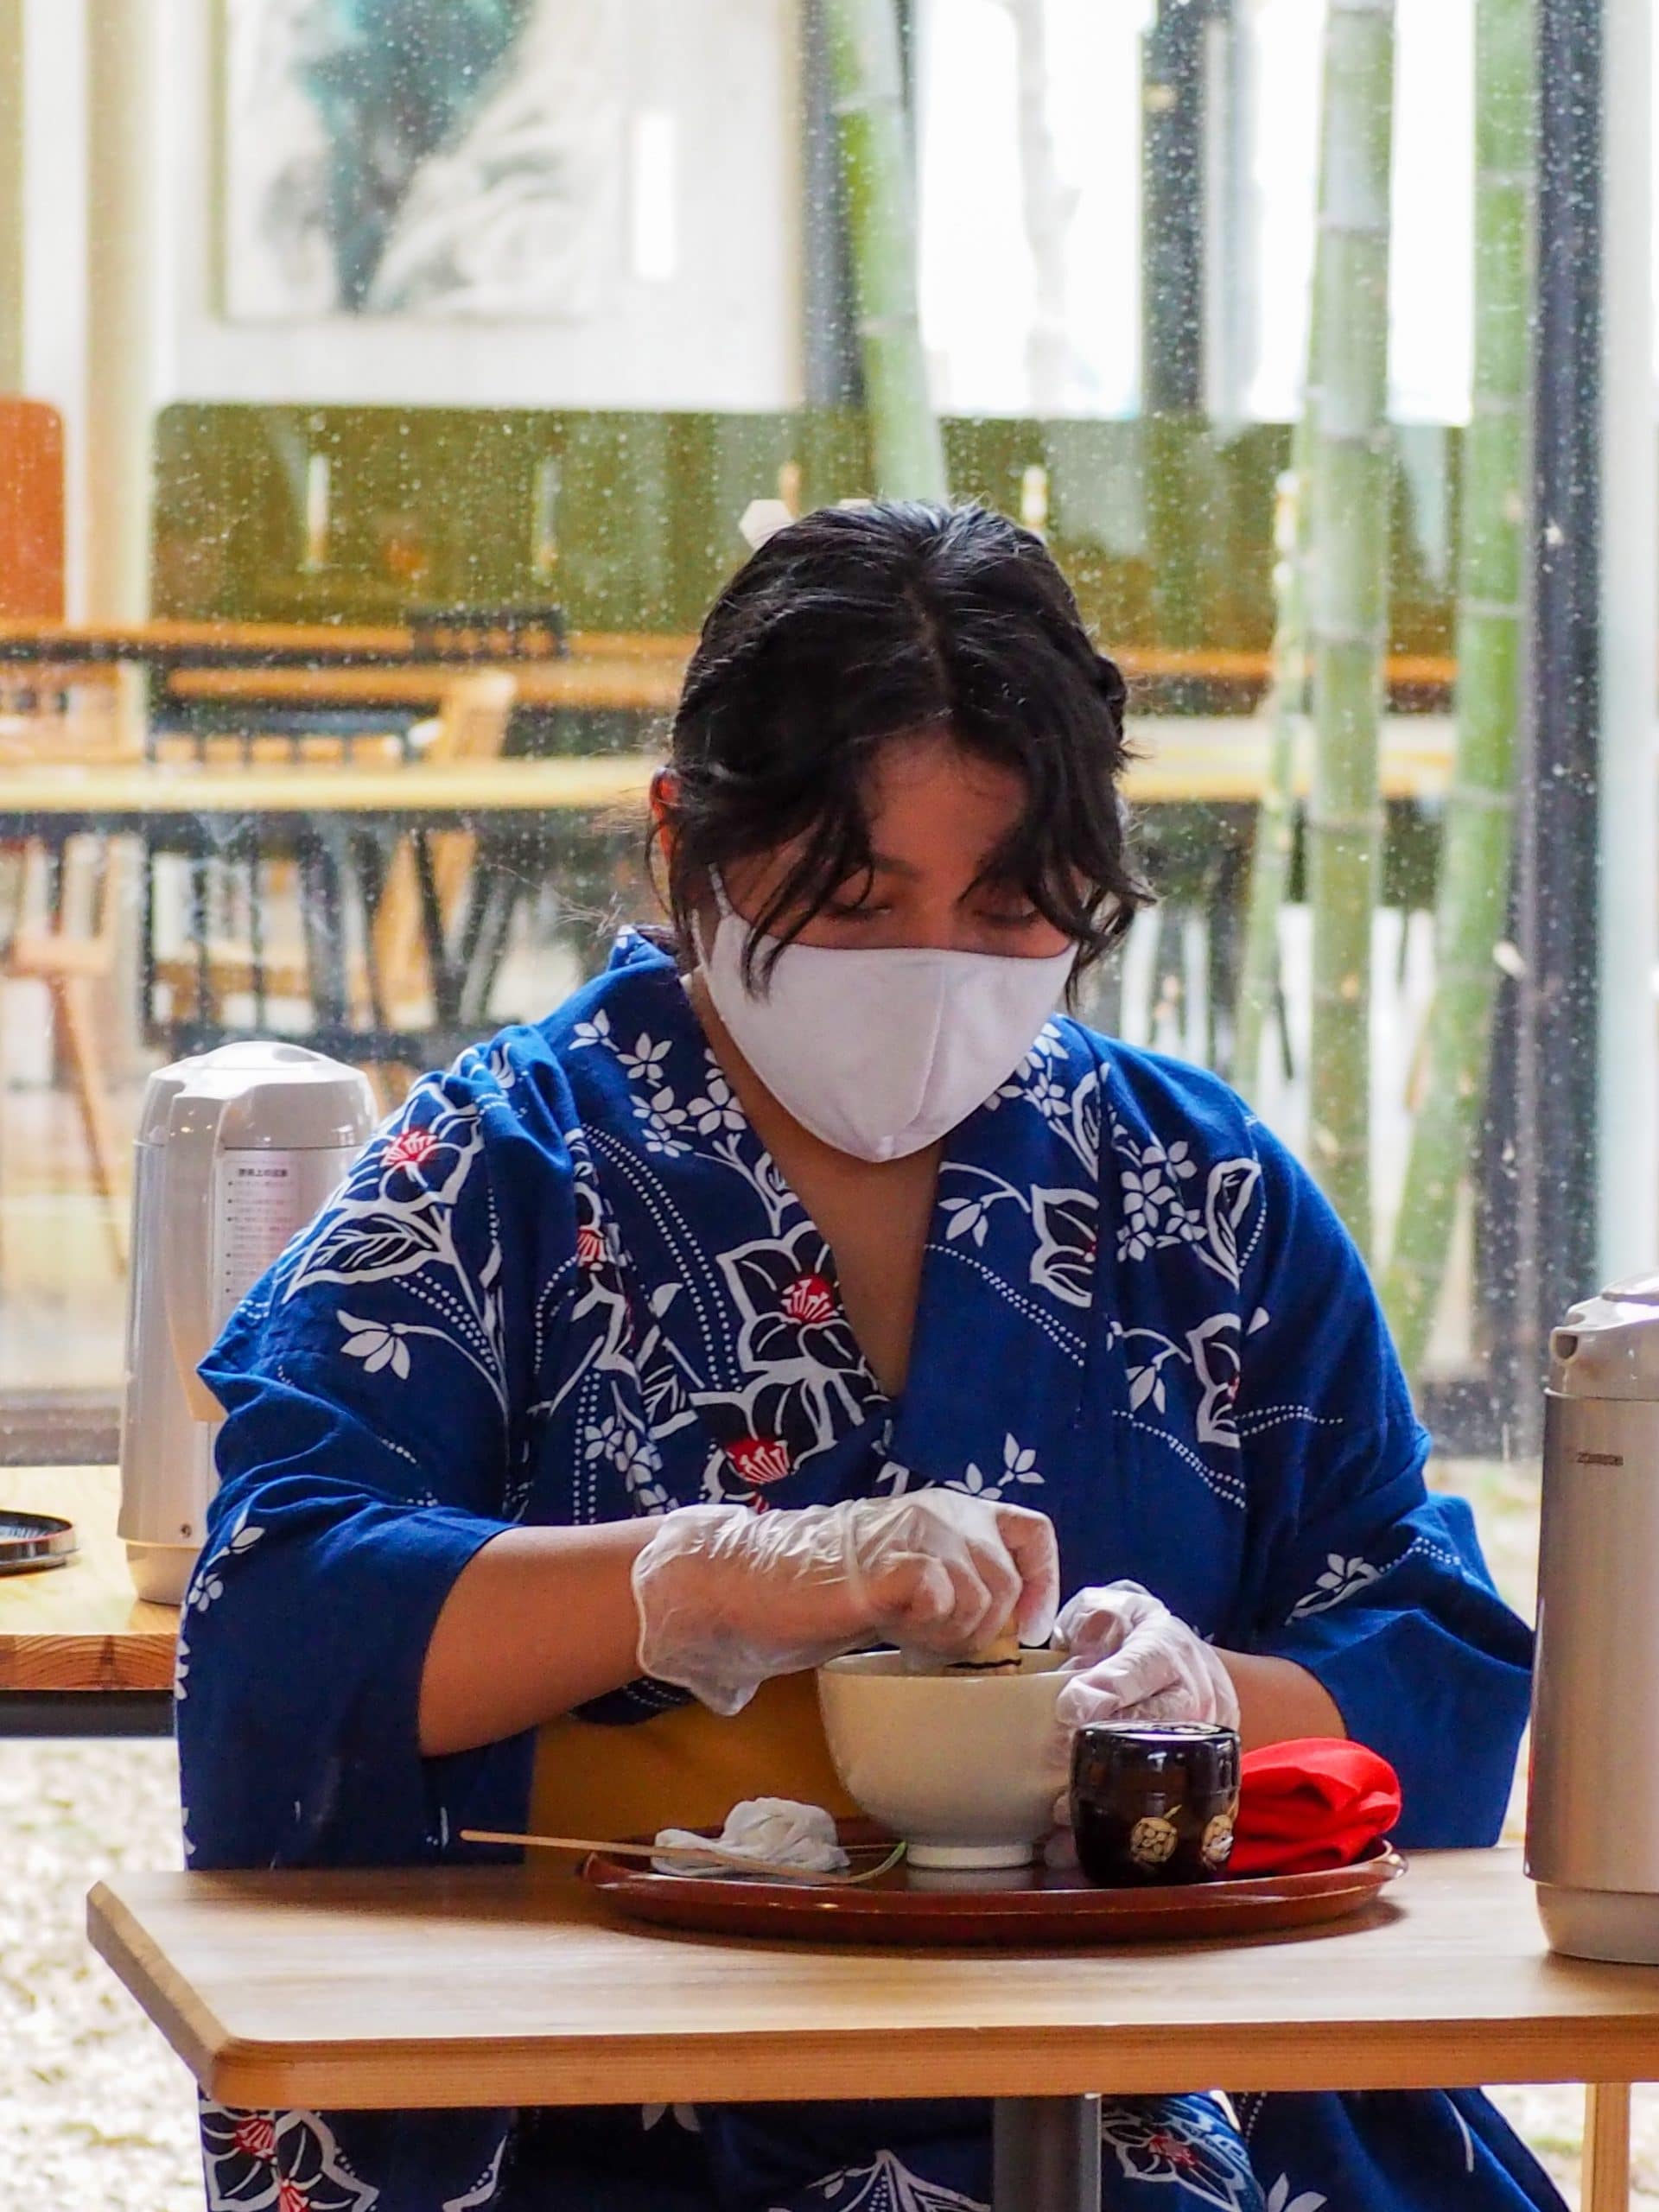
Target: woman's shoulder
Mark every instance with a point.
(1159, 1112)
(1200, 1141)
(530, 1075)
(1157, 1096)
(639, 986)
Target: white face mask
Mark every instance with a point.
(881, 1052)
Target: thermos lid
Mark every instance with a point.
(1608, 1347)
(271, 1095)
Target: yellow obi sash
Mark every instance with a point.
(683, 1769)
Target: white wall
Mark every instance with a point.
(721, 331)
(705, 314)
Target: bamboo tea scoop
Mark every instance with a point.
(585, 1847)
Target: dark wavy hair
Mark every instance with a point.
(856, 625)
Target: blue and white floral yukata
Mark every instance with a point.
(567, 1284)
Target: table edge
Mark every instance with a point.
(765, 2066)
(759, 2064)
(191, 2028)
(83, 1662)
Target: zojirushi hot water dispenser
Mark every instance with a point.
(237, 1149)
(1593, 1828)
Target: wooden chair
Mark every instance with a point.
(82, 714)
(471, 725)
(77, 964)
(69, 902)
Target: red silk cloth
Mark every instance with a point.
(1311, 1804)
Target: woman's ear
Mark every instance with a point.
(664, 793)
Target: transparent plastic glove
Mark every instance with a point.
(727, 1598)
(1094, 1623)
(1131, 1660)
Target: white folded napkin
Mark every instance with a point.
(775, 1829)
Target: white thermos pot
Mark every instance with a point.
(237, 1149)
(1593, 1828)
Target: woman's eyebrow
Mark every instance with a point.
(981, 884)
(890, 864)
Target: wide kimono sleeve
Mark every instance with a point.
(1356, 1572)
(372, 1383)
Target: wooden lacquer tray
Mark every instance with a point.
(1033, 1905)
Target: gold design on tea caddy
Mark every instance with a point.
(1217, 1845)
(1153, 1840)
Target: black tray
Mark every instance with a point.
(29, 1542)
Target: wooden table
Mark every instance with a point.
(1184, 762)
(328, 817)
(632, 682)
(635, 685)
(80, 1655)
(1221, 759)
(209, 809)
(126, 796)
(507, 1986)
(171, 641)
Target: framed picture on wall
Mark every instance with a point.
(440, 159)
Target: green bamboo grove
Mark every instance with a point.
(1285, 716)
(1347, 588)
(874, 142)
(1478, 835)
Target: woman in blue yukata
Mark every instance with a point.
(807, 1280)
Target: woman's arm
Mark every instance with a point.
(538, 1621)
(716, 1599)
(369, 1384)
(1357, 1577)
(1279, 1702)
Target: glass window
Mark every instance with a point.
(386, 389)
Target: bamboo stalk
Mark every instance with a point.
(1276, 814)
(1477, 836)
(1348, 587)
(1049, 204)
(1289, 710)
(873, 135)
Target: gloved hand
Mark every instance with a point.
(727, 1598)
(1131, 1660)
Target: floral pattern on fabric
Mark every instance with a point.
(1341, 1580)
(887, 2185)
(805, 1377)
(1279, 2198)
(1188, 2144)
(276, 2162)
(1018, 1470)
(482, 2194)
(395, 1218)
(567, 1285)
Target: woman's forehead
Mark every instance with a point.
(925, 785)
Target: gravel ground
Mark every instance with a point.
(96, 2114)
